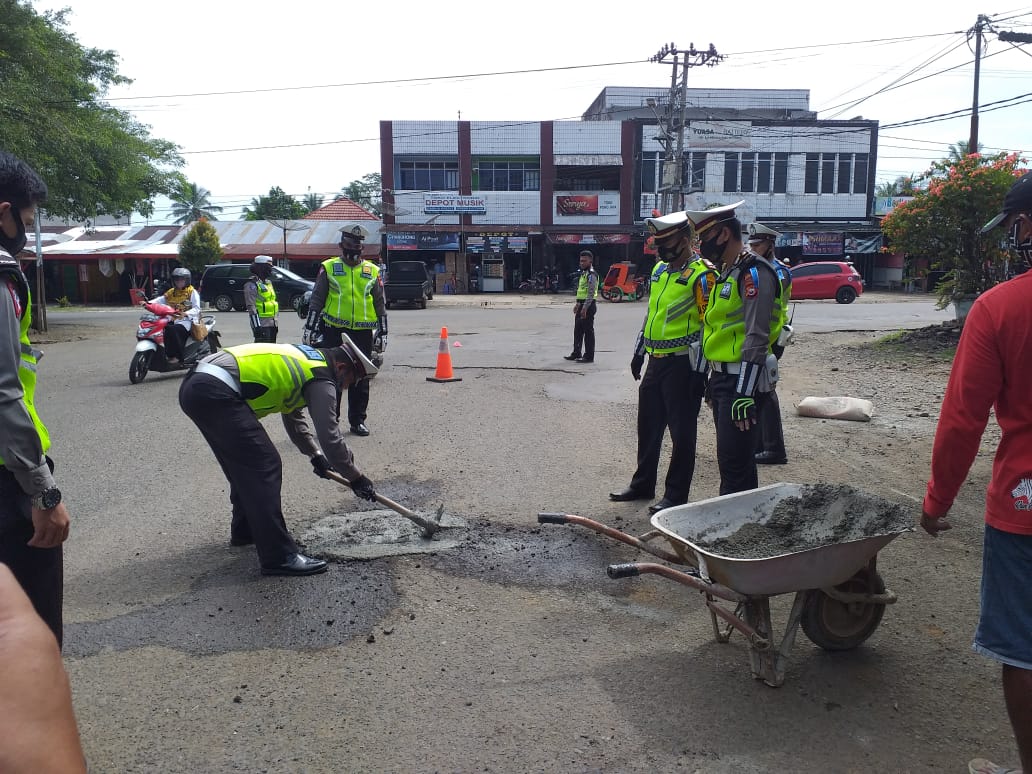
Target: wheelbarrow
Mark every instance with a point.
(839, 596)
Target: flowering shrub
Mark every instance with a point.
(943, 221)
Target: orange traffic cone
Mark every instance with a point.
(444, 369)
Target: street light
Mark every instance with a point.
(288, 225)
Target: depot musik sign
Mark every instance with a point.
(445, 203)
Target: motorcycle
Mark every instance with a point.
(150, 343)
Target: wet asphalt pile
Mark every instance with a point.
(824, 514)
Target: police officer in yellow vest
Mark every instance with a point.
(347, 300)
(33, 519)
(228, 392)
(770, 440)
(671, 393)
(741, 323)
(260, 300)
(584, 311)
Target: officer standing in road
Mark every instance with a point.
(260, 300)
(347, 301)
(770, 440)
(33, 519)
(741, 323)
(584, 311)
(671, 393)
(228, 392)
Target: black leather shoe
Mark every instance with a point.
(572, 356)
(659, 505)
(360, 429)
(585, 360)
(237, 540)
(628, 494)
(770, 458)
(297, 564)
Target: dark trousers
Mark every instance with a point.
(771, 437)
(265, 334)
(670, 395)
(248, 458)
(735, 448)
(584, 330)
(40, 571)
(358, 394)
(175, 340)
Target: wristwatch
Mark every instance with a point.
(47, 499)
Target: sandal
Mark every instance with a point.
(983, 766)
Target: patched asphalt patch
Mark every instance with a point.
(235, 609)
(377, 534)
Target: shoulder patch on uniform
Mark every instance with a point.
(367, 272)
(310, 352)
(12, 288)
(338, 268)
(725, 290)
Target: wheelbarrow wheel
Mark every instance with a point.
(835, 625)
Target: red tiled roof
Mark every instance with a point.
(342, 209)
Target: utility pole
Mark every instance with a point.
(674, 118)
(980, 25)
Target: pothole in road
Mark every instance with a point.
(376, 534)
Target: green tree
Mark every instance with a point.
(366, 192)
(943, 222)
(200, 246)
(192, 202)
(960, 149)
(278, 204)
(901, 186)
(96, 160)
(312, 202)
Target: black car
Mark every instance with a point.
(222, 286)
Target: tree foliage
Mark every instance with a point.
(906, 185)
(943, 222)
(191, 202)
(200, 246)
(312, 202)
(366, 192)
(277, 205)
(96, 160)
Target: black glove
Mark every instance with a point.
(363, 487)
(743, 408)
(636, 363)
(321, 466)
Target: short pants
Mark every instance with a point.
(1005, 625)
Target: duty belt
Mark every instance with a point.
(219, 373)
(726, 368)
(337, 322)
(671, 354)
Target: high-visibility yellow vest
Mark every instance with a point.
(265, 302)
(724, 323)
(283, 370)
(582, 285)
(349, 302)
(29, 356)
(785, 278)
(673, 317)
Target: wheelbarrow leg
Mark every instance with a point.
(763, 659)
(788, 641)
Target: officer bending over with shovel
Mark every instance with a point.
(228, 392)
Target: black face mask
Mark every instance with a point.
(669, 253)
(710, 249)
(15, 244)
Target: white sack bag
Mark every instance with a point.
(852, 409)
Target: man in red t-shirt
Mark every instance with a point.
(991, 370)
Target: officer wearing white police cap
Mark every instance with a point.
(740, 325)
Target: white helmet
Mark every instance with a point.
(180, 273)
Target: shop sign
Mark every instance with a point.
(445, 203)
(822, 243)
(719, 134)
(883, 205)
(586, 204)
(423, 240)
(589, 239)
(496, 243)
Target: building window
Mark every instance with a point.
(694, 172)
(842, 173)
(508, 176)
(730, 172)
(649, 171)
(780, 172)
(751, 172)
(578, 178)
(428, 175)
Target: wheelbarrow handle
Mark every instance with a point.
(552, 518)
(630, 570)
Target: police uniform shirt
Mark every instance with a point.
(322, 290)
(758, 302)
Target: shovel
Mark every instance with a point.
(428, 527)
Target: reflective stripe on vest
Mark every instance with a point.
(282, 369)
(785, 277)
(349, 301)
(28, 357)
(265, 302)
(673, 322)
(582, 285)
(724, 325)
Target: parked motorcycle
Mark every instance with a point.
(150, 343)
(540, 283)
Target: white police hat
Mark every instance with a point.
(758, 232)
(667, 226)
(263, 259)
(355, 232)
(704, 220)
(364, 367)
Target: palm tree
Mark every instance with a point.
(312, 201)
(901, 186)
(960, 149)
(191, 202)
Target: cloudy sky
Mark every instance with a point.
(290, 94)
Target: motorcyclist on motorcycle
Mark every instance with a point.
(187, 302)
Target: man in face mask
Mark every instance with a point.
(33, 519)
(990, 372)
(671, 393)
(741, 324)
(347, 300)
(260, 300)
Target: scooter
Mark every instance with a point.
(150, 343)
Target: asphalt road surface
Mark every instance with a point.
(512, 650)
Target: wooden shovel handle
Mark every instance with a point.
(423, 522)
